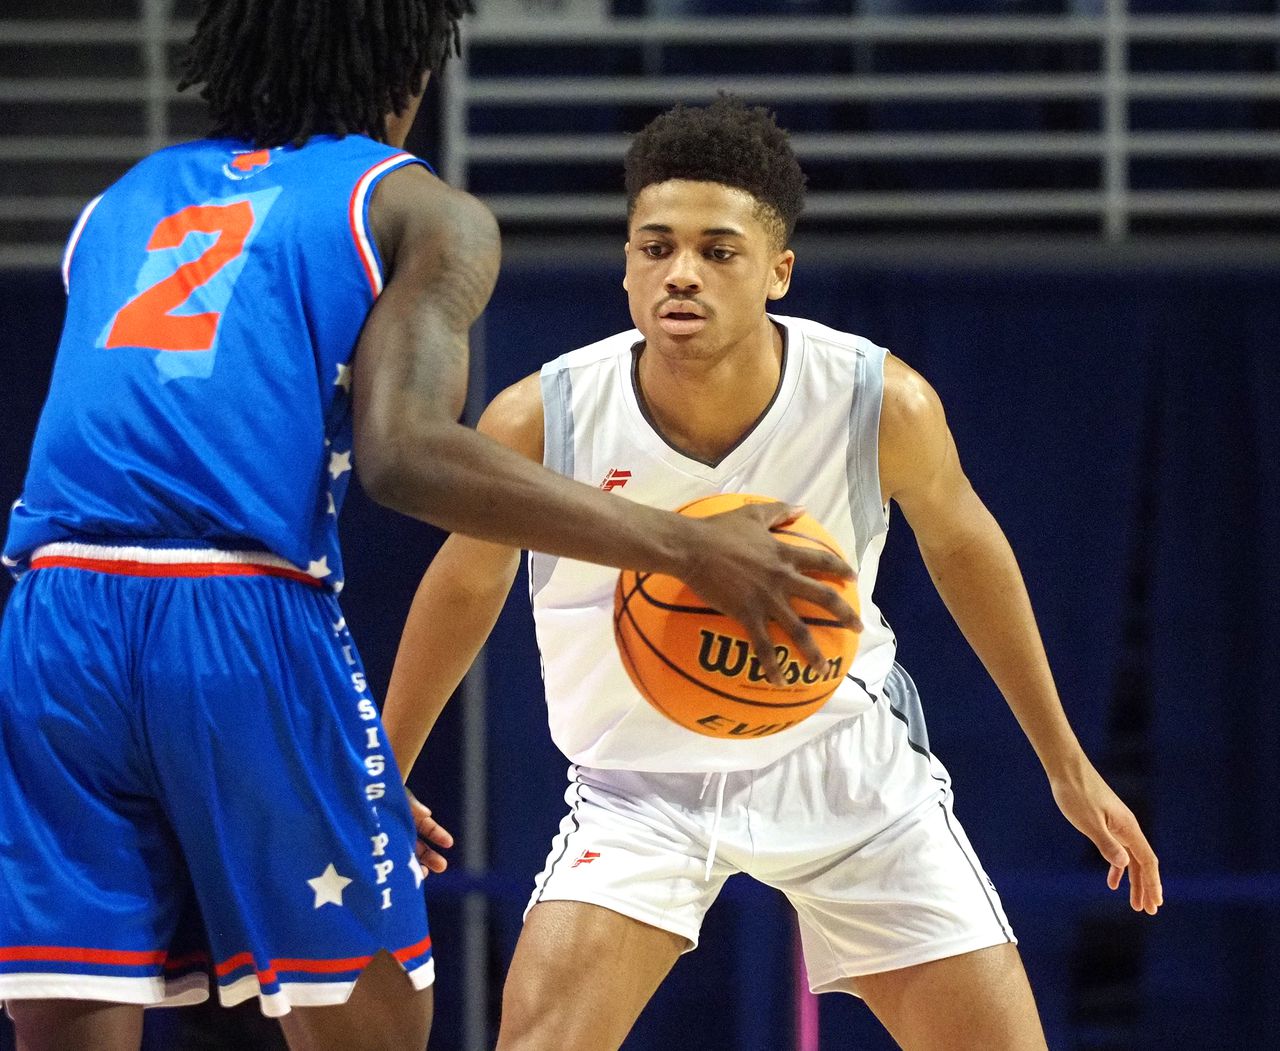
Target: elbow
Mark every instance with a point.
(399, 471)
(386, 479)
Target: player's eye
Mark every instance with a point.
(654, 251)
(721, 254)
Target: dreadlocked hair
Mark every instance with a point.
(280, 71)
(726, 142)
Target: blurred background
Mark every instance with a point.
(1066, 214)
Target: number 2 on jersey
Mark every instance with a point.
(147, 320)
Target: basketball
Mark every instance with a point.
(697, 666)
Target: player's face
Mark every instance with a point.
(701, 265)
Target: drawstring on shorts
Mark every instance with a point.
(715, 824)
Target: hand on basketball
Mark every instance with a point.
(747, 573)
(1093, 808)
(431, 834)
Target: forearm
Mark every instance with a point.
(452, 614)
(465, 482)
(979, 581)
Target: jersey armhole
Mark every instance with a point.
(366, 246)
(73, 240)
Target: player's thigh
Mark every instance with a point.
(978, 1001)
(76, 1025)
(581, 976)
(384, 1013)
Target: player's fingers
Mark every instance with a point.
(821, 595)
(437, 834)
(1146, 893)
(766, 652)
(1145, 871)
(775, 513)
(1114, 873)
(428, 828)
(815, 562)
(431, 860)
(1113, 850)
(798, 631)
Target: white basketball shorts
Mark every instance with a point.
(855, 827)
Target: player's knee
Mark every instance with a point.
(532, 998)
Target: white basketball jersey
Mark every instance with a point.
(816, 445)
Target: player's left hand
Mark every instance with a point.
(431, 834)
(1087, 801)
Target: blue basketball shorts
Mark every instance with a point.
(184, 741)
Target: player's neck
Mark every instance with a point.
(705, 405)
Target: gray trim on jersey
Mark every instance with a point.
(904, 702)
(863, 452)
(557, 454)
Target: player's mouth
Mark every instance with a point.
(678, 318)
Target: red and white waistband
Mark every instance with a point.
(167, 561)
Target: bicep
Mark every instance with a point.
(412, 353)
(920, 465)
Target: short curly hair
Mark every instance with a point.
(726, 142)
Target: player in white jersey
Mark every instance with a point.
(848, 812)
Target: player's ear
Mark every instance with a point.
(626, 251)
(780, 280)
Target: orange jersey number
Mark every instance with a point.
(147, 319)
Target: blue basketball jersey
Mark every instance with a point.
(201, 392)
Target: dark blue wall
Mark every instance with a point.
(1120, 422)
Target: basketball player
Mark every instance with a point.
(184, 720)
(847, 812)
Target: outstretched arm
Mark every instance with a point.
(977, 576)
(442, 250)
(459, 599)
(453, 612)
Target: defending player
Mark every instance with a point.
(184, 720)
(848, 813)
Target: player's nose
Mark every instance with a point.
(683, 274)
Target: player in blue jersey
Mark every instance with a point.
(185, 724)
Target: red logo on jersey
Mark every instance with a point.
(615, 479)
(585, 858)
(246, 162)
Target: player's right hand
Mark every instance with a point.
(747, 573)
(430, 835)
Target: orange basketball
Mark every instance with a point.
(697, 666)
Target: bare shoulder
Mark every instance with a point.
(514, 417)
(421, 222)
(913, 428)
(909, 400)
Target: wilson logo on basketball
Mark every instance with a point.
(730, 657)
(695, 665)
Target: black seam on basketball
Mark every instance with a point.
(806, 536)
(670, 607)
(625, 599)
(711, 689)
(629, 663)
(628, 660)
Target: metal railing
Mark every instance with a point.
(517, 140)
(1113, 88)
